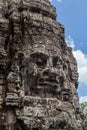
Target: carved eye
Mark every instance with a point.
(66, 95)
(55, 61)
(64, 67)
(40, 62)
(39, 59)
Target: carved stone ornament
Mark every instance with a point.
(38, 73)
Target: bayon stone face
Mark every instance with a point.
(46, 91)
(45, 74)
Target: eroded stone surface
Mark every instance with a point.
(38, 73)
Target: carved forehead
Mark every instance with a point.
(42, 44)
(49, 50)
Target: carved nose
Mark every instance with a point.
(50, 71)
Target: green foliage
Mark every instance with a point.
(84, 108)
(83, 105)
(69, 127)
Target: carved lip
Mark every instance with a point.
(45, 81)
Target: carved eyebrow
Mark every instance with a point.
(55, 57)
(39, 54)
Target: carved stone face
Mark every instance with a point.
(44, 73)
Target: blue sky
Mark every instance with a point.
(73, 15)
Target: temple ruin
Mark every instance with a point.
(38, 72)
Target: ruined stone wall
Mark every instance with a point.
(38, 73)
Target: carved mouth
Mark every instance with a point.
(45, 81)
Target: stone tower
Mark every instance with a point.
(38, 73)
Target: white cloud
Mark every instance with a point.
(82, 65)
(70, 41)
(56, 0)
(81, 61)
(83, 99)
